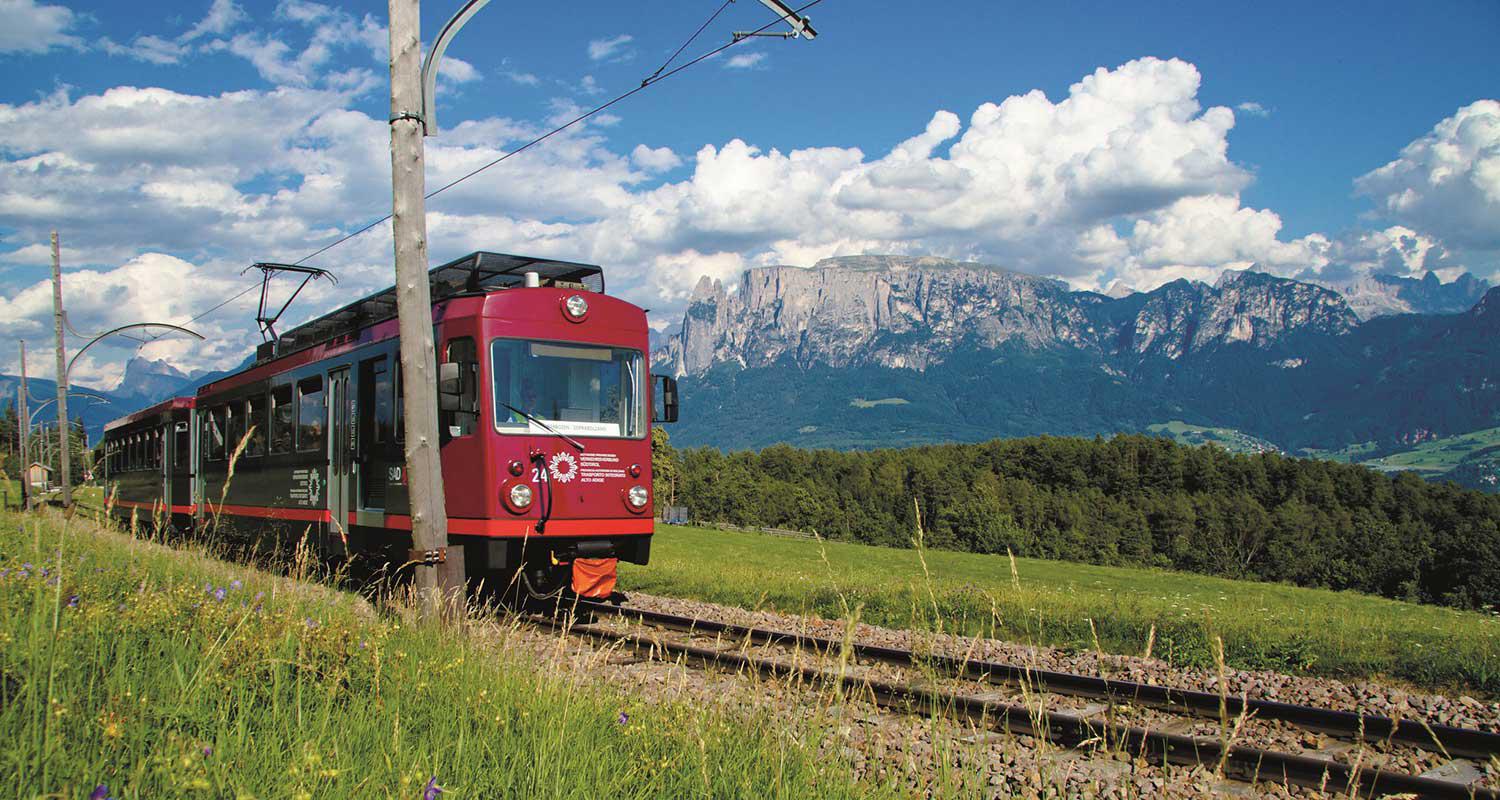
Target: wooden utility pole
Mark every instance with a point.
(424, 474)
(23, 421)
(62, 375)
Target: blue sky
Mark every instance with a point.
(174, 143)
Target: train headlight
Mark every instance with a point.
(576, 307)
(637, 497)
(520, 495)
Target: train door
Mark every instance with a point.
(341, 465)
(180, 445)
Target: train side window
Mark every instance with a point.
(310, 415)
(397, 403)
(281, 420)
(255, 425)
(213, 433)
(181, 445)
(465, 353)
(235, 415)
(158, 450)
(375, 400)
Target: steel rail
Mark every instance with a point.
(1241, 762)
(1446, 739)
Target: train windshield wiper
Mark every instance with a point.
(545, 426)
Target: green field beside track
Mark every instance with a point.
(1271, 626)
(162, 673)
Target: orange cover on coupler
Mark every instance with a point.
(594, 578)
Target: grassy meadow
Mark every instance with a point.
(166, 673)
(1274, 626)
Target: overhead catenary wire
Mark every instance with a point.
(657, 77)
(649, 82)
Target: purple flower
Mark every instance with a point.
(26, 565)
(259, 595)
(24, 574)
(363, 645)
(101, 792)
(4, 572)
(219, 595)
(433, 789)
(208, 587)
(72, 601)
(207, 751)
(622, 719)
(235, 584)
(312, 623)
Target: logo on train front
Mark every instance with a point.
(564, 468)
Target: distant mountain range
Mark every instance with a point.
(144, 383)
(874, 351)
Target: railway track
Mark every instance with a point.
(1089, 729)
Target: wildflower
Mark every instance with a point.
(207, 751)
(208, 587)
(259, 595)
(236, 585)
(72, 601)
(101, 792)
(219, 595)
(363, 645)
(312, 623)
(622, 719)
(433, 789)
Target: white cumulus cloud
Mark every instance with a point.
(30, 27)
(1447, 183)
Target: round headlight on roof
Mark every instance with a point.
(576, 307)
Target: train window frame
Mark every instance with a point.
(282, 433)
(641, 390)
(319, 418)
(377, 401)
(465, 420)
(234, 429)
(214, 434)
(256, 424)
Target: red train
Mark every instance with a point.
(545, 429)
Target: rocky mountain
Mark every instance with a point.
(904, 312)
(1373, 296)
(147, 379)
(880, 351)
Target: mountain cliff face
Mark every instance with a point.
(147, 379)
(1379, 295)
(879, 351)
(911, 313)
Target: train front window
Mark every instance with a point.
(578, 390)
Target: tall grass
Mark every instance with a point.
(1173, 616)
(162, 673)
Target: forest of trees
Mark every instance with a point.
(1130, 500)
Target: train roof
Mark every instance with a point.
(151, 411)
(476, 272)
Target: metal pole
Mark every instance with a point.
(23, 419)
(429, 517)
(62, 375)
